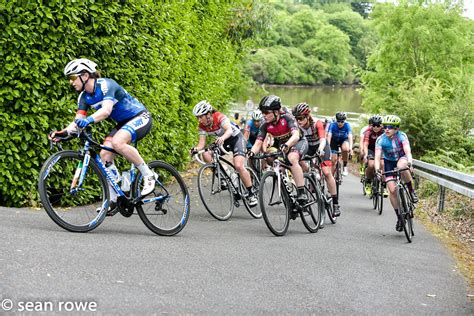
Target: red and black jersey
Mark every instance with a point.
(281, 130)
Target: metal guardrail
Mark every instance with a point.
(445, 178)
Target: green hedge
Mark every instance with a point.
(167, 54)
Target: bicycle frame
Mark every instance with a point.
(90, 153)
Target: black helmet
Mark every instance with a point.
(341, 116)
(270, 103)
(376, 120)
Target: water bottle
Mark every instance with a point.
(235, 179)
(113, 171)
(125, 181)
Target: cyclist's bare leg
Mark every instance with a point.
(369, 172)
(406, 175)
(330, 180)
(345, 152)
(393, 193)
(333, 160)
(304, 166)
(207, 156)
(244, 174)
(121, 144)
(296, 170)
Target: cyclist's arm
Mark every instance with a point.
(104, 112)
(407, 150)
(294, 139)
(246, 134)
(256, 146)
(378, 156)
(365, 147)
(201, 142)
(227, 131)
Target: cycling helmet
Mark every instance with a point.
(376, 120)
(257, 115)
(270, 103)
(341, 116)
(78, 66)
(371, 120)
(391, 120)
(301, 109)
(203, 107)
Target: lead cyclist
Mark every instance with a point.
(109, 100)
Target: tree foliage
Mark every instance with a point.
(167, 54)
(331, 39)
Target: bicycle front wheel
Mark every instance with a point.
(215, 195)
(380, 197)
(274, 204)
(311, 214)
(404, 213)
(76, 209)
(166, 211)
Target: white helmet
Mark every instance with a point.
(203, 107)
(78, 66)
(257, 115)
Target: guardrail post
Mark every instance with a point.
(442, 195)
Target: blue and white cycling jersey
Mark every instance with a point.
(125, 106)
(392, 148)
(339, 134)
(250, 127)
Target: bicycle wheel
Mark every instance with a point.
(337, 177)
(330, 211)
(363, 181)
(311, 214)
(166, 211)
(380, 197)
(73, 210)
(404, 212)
(217, 198)
(254, 211)
(274, 204)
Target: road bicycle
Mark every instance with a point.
(378, 188)
(221, 188)
(338, 170)
(277, 197)
(363, 178)
(405, 204)
(74, 190)
(325, 204)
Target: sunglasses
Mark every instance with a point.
(266, 112)
(73, 77)
(389, 127)
(376, 125)
(300, 118)
(340, 122)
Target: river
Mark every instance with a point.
(325, 101)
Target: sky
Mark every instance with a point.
(469, 9)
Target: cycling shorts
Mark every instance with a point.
(236, 144)
(389, 165)
(327, 154)
(337, 143)
(138, 126)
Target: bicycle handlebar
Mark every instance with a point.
(211, 147)
(395, 171)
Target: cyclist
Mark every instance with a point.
(340, 135)
(361, 147)
(251, 127)
(368, 143)
(393, 146)
(110, 100)
(314, 132)
(286, 135)
(214, 123)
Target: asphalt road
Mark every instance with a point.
(360, 265)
